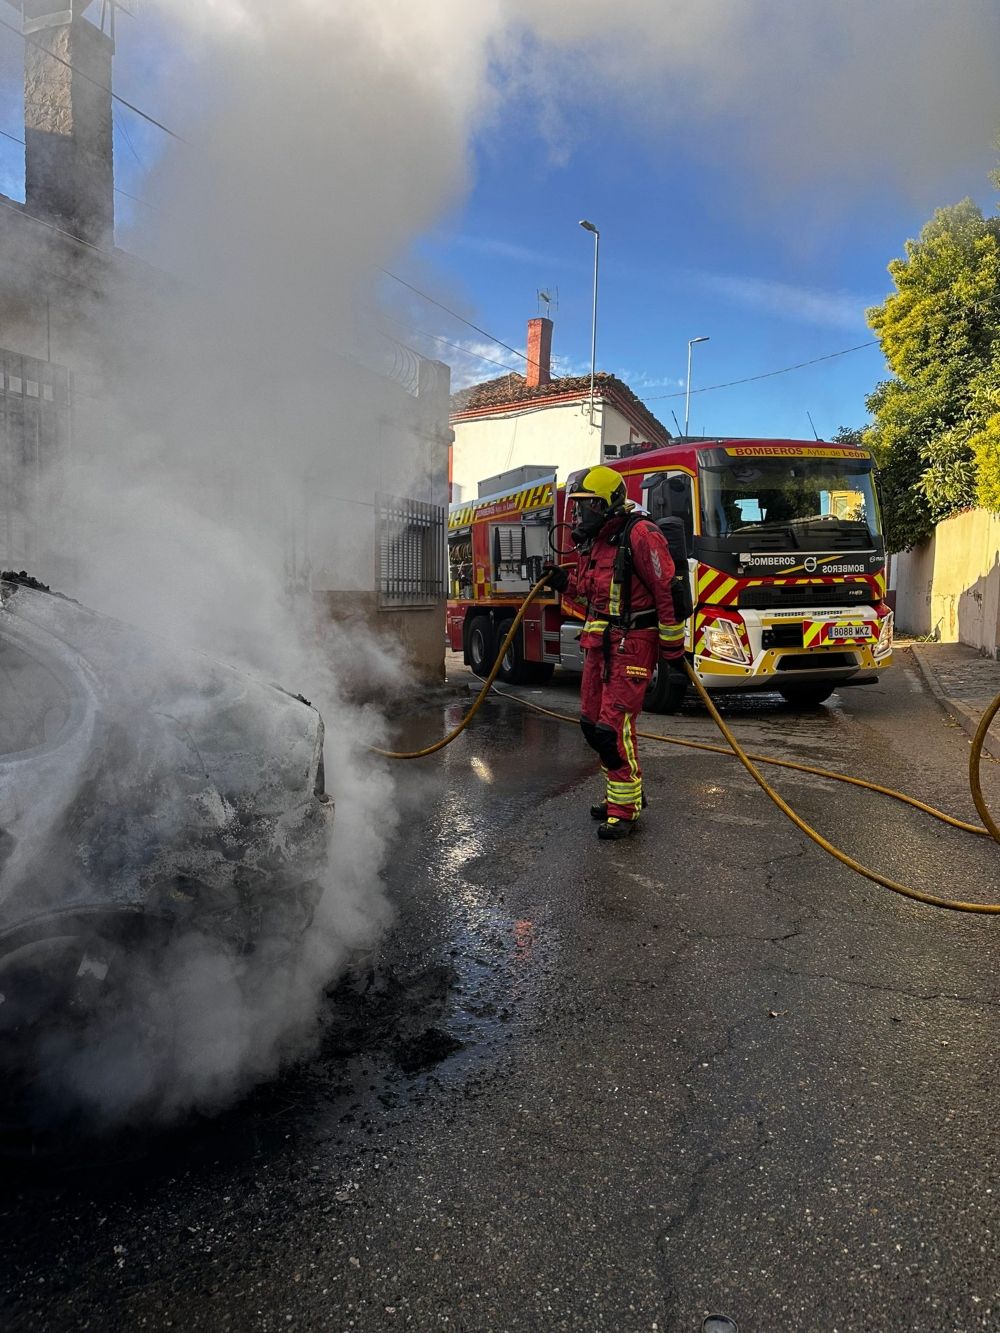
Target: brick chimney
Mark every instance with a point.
(539, 352)
(68, 167)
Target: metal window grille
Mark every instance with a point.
(412, 552)
(34, 439)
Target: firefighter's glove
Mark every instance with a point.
(673, 656)
(556, 577)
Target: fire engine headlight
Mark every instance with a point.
(722, 639)
(884, 644)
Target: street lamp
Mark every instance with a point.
(589, 226)
(687, 394)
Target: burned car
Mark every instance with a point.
(144, 792)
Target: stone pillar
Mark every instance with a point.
(69, 169)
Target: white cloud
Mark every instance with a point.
(568, 366)
(500, 249)
(807, 305)
(472, 361)
(808, 92)
(642, 379)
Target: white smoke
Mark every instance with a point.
(238, 410)
(319, 139)
(789, 94)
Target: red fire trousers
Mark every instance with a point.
(611, 698)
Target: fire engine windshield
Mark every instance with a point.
(806, 502)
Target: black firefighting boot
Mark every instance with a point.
(612, 829)
(600, 810)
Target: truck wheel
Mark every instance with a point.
(513, 669)
(480, 645)
(665, 691)
(806, 696)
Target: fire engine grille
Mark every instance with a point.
(783, 595)
(822, 662)
(412, 552)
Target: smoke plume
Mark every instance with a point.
(239, 430)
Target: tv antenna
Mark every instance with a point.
(549, 299)
(32, 9)
(109, 9)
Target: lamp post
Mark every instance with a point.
(589, 226)
(687, 394)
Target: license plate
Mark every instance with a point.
(847, 632)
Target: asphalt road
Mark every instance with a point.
(598, 1086)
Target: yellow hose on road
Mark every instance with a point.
(487, 686)
(932, 900)
(749, 763)
(975, 760)
(829, 773)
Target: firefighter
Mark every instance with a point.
(623, 575)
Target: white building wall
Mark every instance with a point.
(559, 436)
(618, 432)
(950, 586)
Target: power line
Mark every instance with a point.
(653, 398)
(52, 227)
(118, 190)
(61, 231)
(422, 333)
(708, 388)
(455, 315)
(27, 37)
(135, 199)
(119, 121)
(768, 374)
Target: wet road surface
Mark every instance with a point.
(598, 1086)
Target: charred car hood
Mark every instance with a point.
(136, 775)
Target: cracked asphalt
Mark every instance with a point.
(599, 1086)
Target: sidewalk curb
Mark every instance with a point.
(962, 713)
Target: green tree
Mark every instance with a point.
(985, 440)
(850, 435)
(940, 334)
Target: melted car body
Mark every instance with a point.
(143, 790)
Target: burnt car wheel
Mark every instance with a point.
(76, 1003)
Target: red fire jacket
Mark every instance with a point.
(651, 605)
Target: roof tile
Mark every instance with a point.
(512, 390)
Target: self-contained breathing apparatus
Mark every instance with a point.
(600, 499)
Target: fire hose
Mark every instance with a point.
(750, 762)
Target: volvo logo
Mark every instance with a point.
(809, 564)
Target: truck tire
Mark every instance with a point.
(513, 669)
(665, 691)
(480, 645)
(806, 696)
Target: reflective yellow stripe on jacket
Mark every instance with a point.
(671, 635)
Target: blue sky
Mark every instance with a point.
(681, 256)
(753, 167)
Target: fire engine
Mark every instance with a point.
(786, 562)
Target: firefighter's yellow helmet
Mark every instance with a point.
(601, 483)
